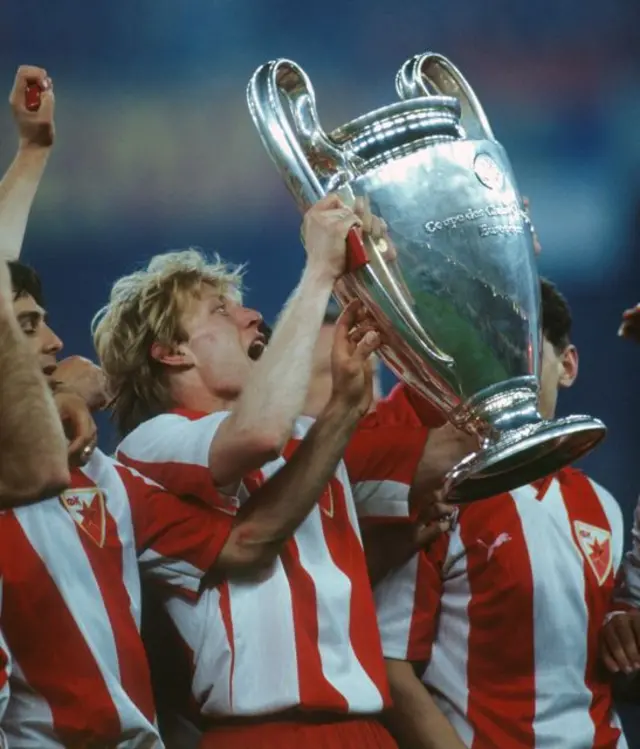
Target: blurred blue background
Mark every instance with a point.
(156, 149)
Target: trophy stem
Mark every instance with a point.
(501, 408)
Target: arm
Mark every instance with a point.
(20, 183)
(416, 721)
(33, 448)
(261, 421)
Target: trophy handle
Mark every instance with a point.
(306, 158)
(432, 74)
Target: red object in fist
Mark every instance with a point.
(356, 252)
(33, 97)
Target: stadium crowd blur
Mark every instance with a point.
(217, 532)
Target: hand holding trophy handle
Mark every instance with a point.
(431, 74)
(305, 157)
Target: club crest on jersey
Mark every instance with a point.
(595, 544)
(87, 508)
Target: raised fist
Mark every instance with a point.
(33, 102)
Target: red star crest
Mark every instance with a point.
(86, 507)
(595, 544)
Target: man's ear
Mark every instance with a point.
(569, 362)
(172, 356)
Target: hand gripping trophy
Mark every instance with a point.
(456, 295)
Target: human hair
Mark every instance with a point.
(145, 308)
(556, 316)
(25, 282)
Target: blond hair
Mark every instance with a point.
(144, 308)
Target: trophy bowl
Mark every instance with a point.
(453, 288)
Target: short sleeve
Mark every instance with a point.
(177, 540)
(408, 605)
(173, 450)
(381, 461)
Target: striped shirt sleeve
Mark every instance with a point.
(381, 460)
(173, 450)
(408, 604)
(177, 540)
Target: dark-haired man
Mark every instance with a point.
(33, 449)
(501, 618)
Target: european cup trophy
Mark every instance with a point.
(453, 288)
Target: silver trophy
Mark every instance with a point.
(453, 288)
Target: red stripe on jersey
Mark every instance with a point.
(107, 566)
(428, 595)
(185, 479)
(495, 589)
(50, 649)
(315, 690)
(383, 453)
(583, 504)
(227, 621)
(347, 555)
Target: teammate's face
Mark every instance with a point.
(44, 343)
(559, 369)
(223, 341)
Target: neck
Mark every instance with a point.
(199, 398)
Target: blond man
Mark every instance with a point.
(293, 657)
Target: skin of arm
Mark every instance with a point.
(415, 720)
(20, 183)
(262, 419)
(33, 447)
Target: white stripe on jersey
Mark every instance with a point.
(447, 670)
(175, 571)
(562, 697)
(382, 499)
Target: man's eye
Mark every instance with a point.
(28, 328)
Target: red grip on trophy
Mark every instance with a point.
(356, 251)
(33, 97)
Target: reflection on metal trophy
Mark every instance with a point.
(454, 288)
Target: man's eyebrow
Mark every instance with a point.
(32, 314)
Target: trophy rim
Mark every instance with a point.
(522, 456)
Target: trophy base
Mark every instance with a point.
(523, 455)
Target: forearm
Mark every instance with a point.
(33, 448)
(262, 420)
(277, 390)
(17, 192)
(274, 512)
(415, 719)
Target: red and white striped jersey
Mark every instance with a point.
(507, 610)
(71, 603)
(306, 634)
(382, 457)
